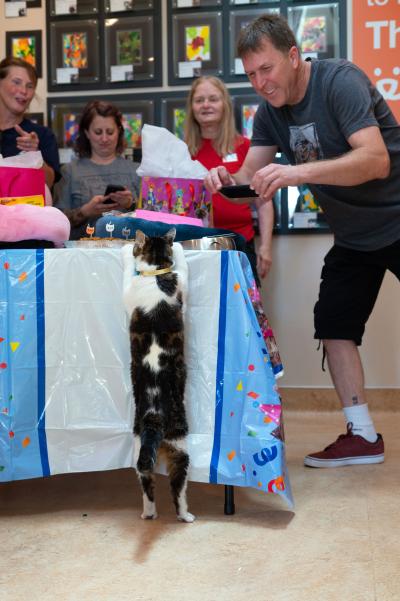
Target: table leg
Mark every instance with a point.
(229, 507)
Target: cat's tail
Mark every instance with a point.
(150, 438)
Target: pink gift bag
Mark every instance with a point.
(22, 185)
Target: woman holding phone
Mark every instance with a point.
(100, 179)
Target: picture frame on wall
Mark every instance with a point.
(73, 7)
(74, 53)
(117, 6)
(129, 49)
(64, 121)
(26, 45)
(317, 29)
(197, 44)
(245, 107)
(33, 3)
(238, 19)
(173, 115)
(135, 113)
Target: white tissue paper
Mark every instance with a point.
(165, 155)
(31, 160)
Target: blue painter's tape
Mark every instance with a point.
(219, 396)
(41, 361)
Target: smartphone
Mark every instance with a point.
(242, 191)
(109, 190)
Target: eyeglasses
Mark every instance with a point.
(204, 99)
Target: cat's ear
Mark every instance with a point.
(140, 237)
(170, 235)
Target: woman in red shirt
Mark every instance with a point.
(212, 139)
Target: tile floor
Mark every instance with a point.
(79, 537)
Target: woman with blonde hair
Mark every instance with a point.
(213, 140)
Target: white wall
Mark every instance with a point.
(291, 289)
(289, 295)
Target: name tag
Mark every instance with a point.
(230, 158)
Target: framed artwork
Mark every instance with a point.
(129, 49)
(64, 120)
(173, 115)
(317, 29)
(304, 211)
(133, 123)
(117, 6)
(135, 113)
(73, 7)
(70, 128)
(197, 44)
(74, 56)
(238, 19)
(75, 49)
(26, 45)
(245, 107)
(36, 118)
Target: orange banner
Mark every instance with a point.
(376, 46)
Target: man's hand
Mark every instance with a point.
(268, 180)
(27, 141)
(216, 178)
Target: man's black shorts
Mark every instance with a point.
(350, 282)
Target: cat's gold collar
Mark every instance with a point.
(156, 271)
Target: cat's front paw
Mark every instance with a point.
(152, 516)
(127, 253)
(186, 517)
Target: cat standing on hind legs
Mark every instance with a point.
(155, 298)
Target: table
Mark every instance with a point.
(65, 392)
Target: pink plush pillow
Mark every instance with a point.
(27, 222)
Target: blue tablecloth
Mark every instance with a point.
(65, 394)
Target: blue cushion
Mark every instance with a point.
(125, 227)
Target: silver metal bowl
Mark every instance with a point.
(219, 242)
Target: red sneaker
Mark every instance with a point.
(348, 449)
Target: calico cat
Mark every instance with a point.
(155, 301)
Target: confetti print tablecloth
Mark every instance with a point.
(65, 393)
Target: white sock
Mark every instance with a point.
(362, 422)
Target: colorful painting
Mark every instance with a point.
(132, 123)
(179, 122)
(313, 37)
(197, 41)
(75, 50)
(71, 128)
(129, 47)
(248, 112)
(25, 48)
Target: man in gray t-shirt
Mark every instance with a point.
(342, 140)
